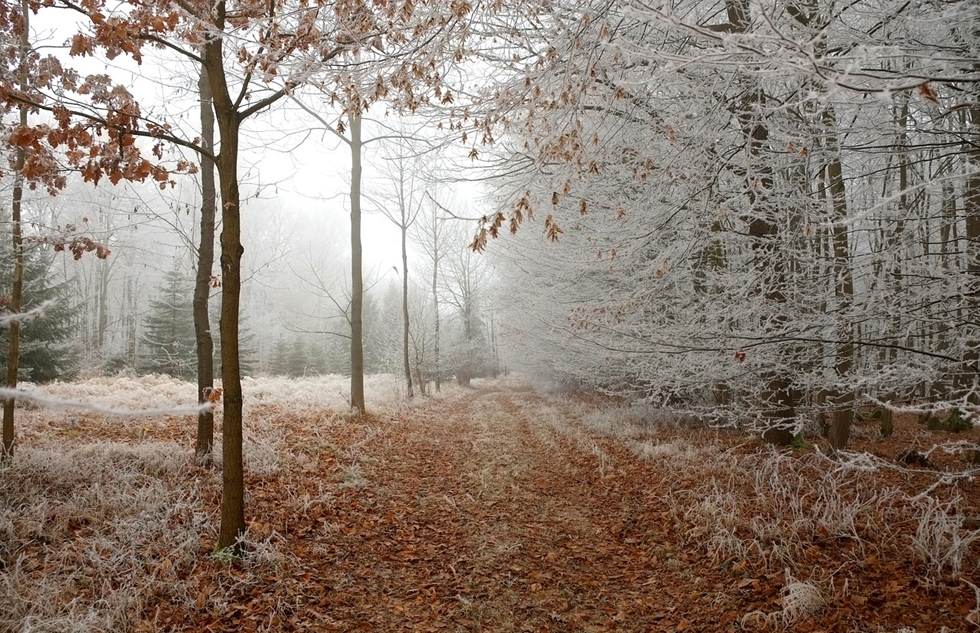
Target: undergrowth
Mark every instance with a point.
(776, 509)
(95, 532)
(94, 535)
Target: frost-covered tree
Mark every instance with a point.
(759, 212)
(247, 344)
(433, 236)
(466, 278)
(290, 358)
(47, 350)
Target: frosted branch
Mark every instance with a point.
(58, 403)
(33, 313)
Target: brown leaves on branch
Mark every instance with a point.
(551, 229)
(489, 225)
(105, 148)
(489, 228)
(68, 239)
(928, 92)
(96, 122)
(92, 122)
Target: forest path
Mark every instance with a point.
(493, 513)
(491, 510)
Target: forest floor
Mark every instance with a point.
(500, 509)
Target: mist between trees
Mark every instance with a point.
(759, 214)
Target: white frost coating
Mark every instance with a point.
(159, 395)
(58, 403)
(7, 319)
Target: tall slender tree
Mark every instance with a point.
(203, 281)
(357, 276)
(405, 199)
(17, 279)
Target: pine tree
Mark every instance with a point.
(46, 341)
(169, 338)
(247, 349)
(278, 365)
(291, 359)
(296, 359)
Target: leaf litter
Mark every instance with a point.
(495, 509)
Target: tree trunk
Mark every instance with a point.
(465, 370)
(229, 122)
(495, 370)
(887, 426)
(202, 285)
(895, 236)
(131, 309)
(17, 289)
(357, 280)
(840, 424)
(405, 323)
(971, 209)
(777, 393)
(435, 305)
(103, 308)
(839, 431)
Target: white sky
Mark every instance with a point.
(282, 160)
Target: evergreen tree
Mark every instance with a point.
(278, 365)
(373, 334)
(293, 359)
(248, 352)
(296, 359)
(169, 338)
(332, 356)
(46, 346)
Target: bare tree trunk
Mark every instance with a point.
(229, 122)
(435, 307)
(103, 308)
(405, 323)
(131, 307)
(17, 289)
(202, 284)
(777, 393)
(903, 212)
(840, 425)
(495, 371)
(971, 209)
(357, 279)
(465, 370)
(712, 258)
(895, 246)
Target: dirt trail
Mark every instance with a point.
(473, 515)
(498, 511)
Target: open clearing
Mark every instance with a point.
(488, 509)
